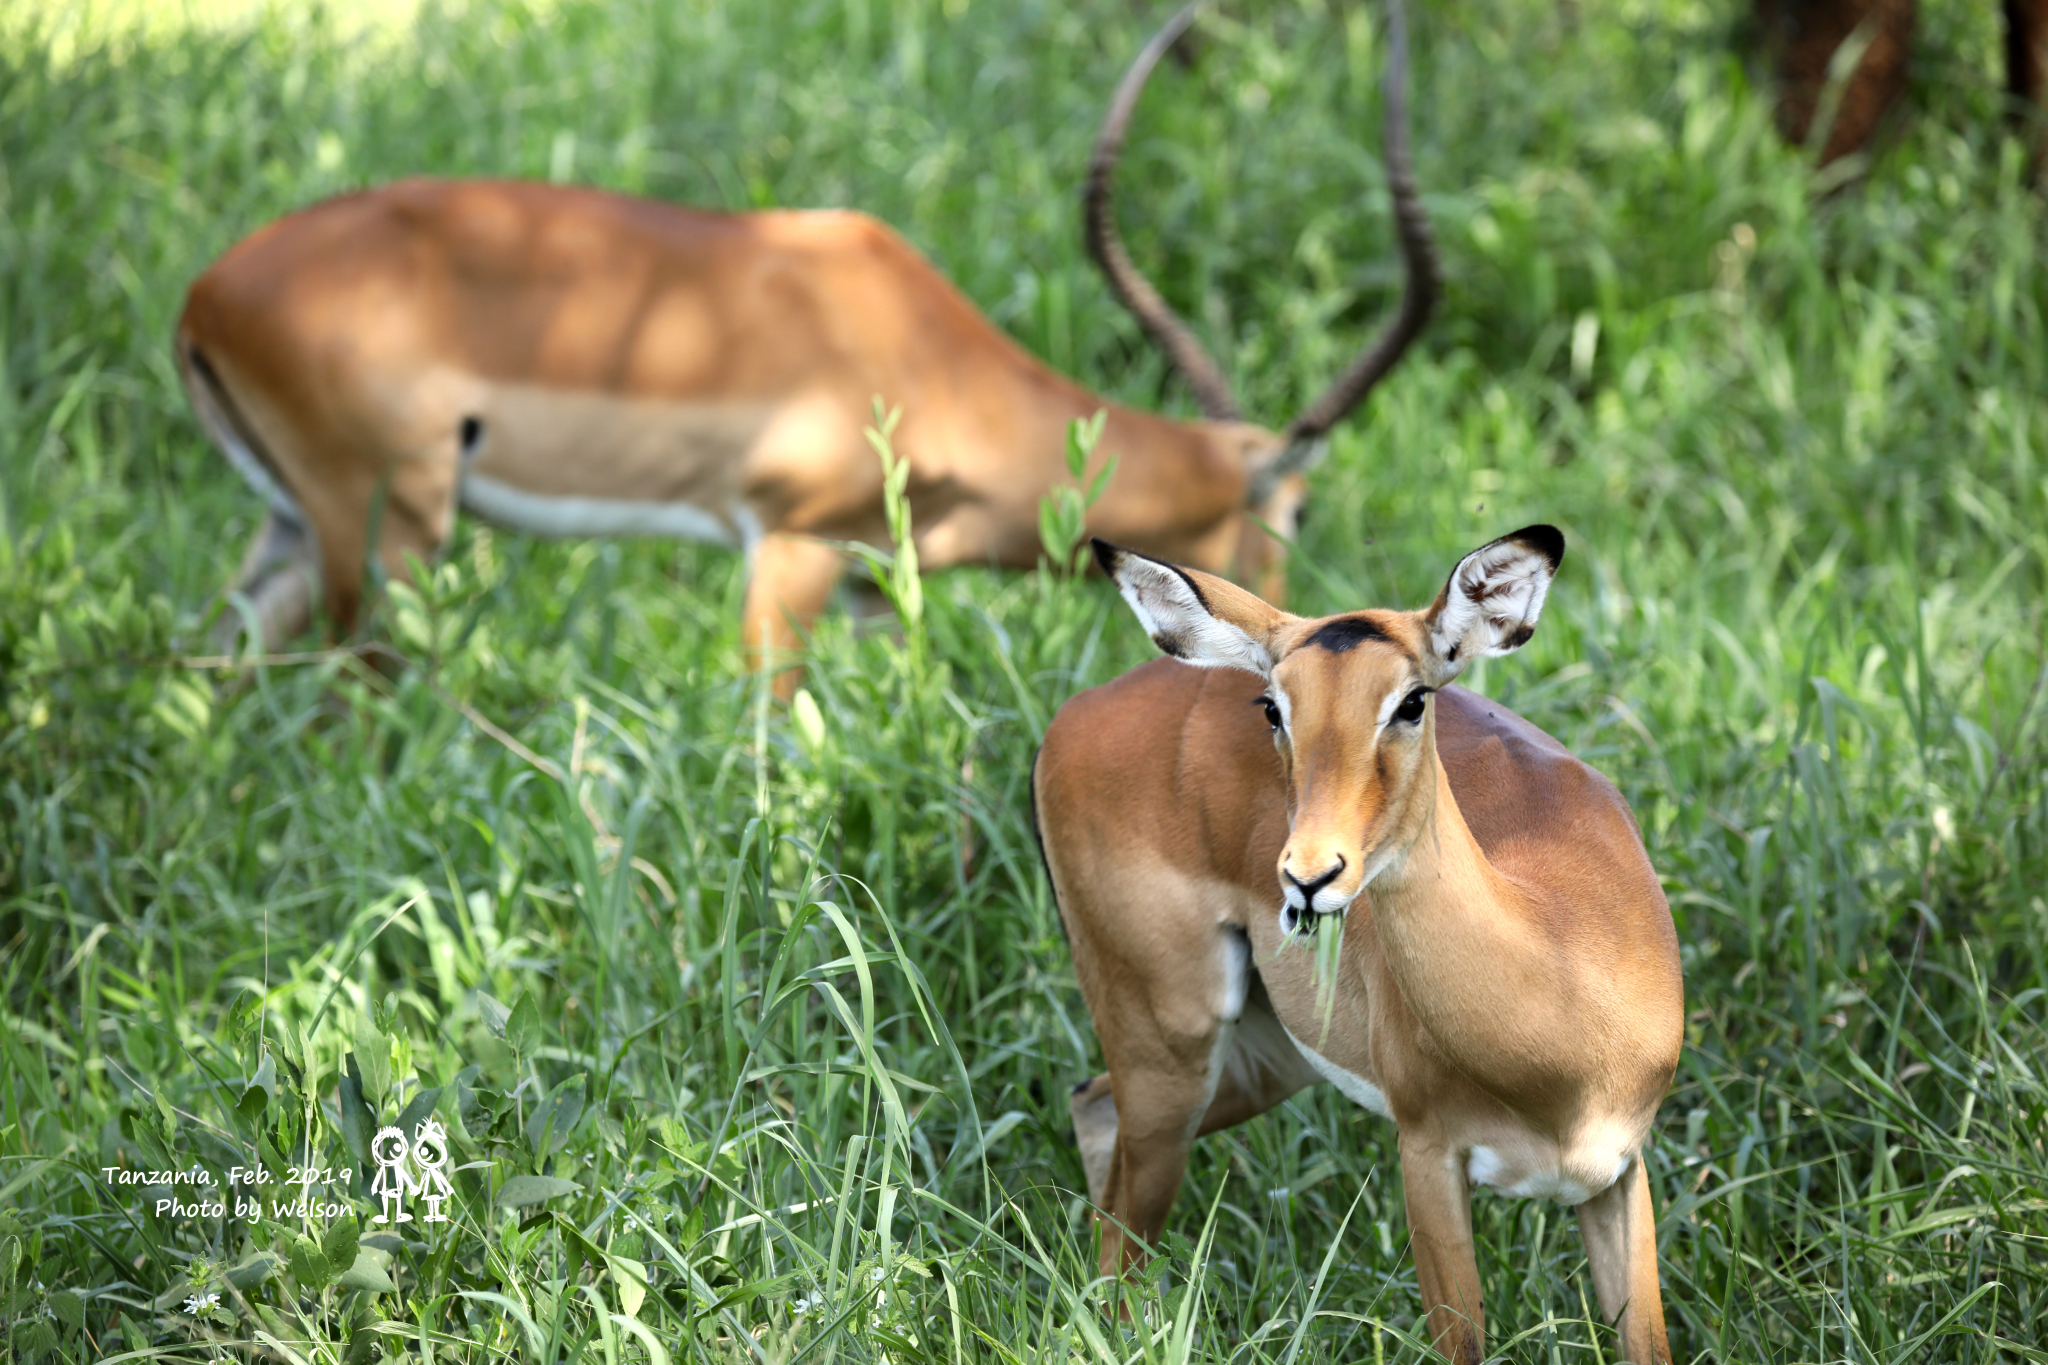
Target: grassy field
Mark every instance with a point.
(740, 1059)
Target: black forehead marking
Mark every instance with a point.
(1346, 633)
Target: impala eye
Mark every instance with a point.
(1410, 709)
(1272, 711)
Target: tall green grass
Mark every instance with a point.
(779, 996)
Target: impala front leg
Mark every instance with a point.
(1620, 1229)
(793, 576)
(1440, 1230)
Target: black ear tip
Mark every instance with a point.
(1545, 540)
(1107, 556)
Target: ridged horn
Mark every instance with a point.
(1161, 323)
(1423, 283)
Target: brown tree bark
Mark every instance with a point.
(1801, 38)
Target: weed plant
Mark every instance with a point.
(752, 1027)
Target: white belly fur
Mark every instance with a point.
(1485, 1166)
(549, 515)
(253, 470)
(1356, 1088)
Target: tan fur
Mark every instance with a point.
(620, 349)
(1510, 985)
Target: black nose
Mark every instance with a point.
(1308, 889)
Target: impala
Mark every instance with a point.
(571, 362)
(1506, 987)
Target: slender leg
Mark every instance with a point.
(1440, 1229)
(1157, 1111)
(395, 507)
(792, 578)
(1094, 1109)
(280, 576)
(1620, 1229)
(1256, 1069)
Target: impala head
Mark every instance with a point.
(1273, 461)
(1348, 696)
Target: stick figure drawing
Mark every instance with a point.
(392, 1182)
(430, 1154)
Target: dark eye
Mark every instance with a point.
(1410, 709)
(1272, 711)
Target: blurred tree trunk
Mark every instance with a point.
(1801, 39)
(2026, 74)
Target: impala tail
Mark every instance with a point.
(1301, 443)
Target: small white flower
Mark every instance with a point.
(195, 1305)
(877, 1275)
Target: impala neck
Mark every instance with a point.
(1178, 486)
(1469, 949)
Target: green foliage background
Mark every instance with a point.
(753, 1029)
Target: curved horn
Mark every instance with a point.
(1418, 296)
(1211, 389)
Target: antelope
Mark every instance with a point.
(1506, 987)
(571, 362)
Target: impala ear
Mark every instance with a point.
(1490, 603)
(1196, 617)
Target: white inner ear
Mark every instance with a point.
(1173, 615)
(1496, 594)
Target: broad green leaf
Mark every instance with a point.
(310, 1266)
(549, 1126)
(70, 1308)
(367, 1273)
(358, 1124)
(631, 1278)
(340, 1241)
(494, 1012)
(417, 1110)
(522, 1026)
(254, 1269)
(477, 1106)
(373, 1062)
(264, 1079)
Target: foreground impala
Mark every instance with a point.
(571, 362)
(1507, 990)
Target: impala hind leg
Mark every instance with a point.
(1094, 1109)
(793, 576)
(1246, 1069)
(1620, 1229)
(1440, 1233)
(1156, 1112)
(280, 578)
